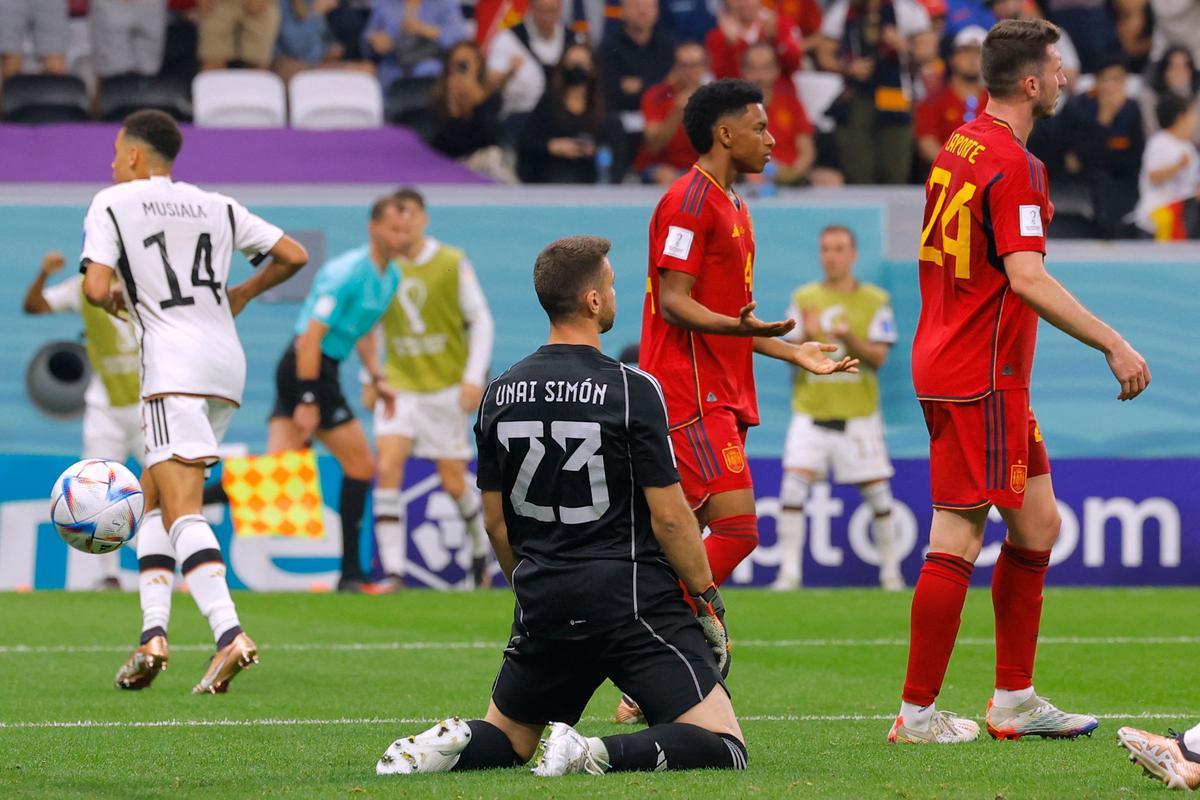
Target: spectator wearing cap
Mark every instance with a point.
(238, 30)
(44, 22)
(962, 14)
(742, 23)
(1028, 9)
(1103, 138)
(634, 56)
(868, 42)
(127, 36)
(1173, 74)
(521, 58)
(408, 37)
(1169, 183)
(794, 150)
(959, 101)
(666, 151)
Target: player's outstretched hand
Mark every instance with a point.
(1130, 370)
(750, 325)
(710, 613)
(812, 357)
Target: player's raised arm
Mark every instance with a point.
(1050, 299)
(35, 298)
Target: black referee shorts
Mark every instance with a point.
(660, 660)
(332, 403)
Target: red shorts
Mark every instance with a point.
(983, 452)
(711, 456)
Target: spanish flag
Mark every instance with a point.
(275, 495)
(1170, 222)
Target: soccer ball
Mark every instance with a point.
(96, 505)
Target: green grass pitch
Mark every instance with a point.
(815, 678)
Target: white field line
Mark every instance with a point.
(350, 647)
(273, 722)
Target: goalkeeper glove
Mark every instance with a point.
(710, 613)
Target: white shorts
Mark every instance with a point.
(113, 433)
(185, 427)
(434, 422)
(858, 454)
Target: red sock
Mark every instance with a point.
(936, 614)
(730, 540)
(1017, 599)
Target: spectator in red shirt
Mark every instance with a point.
(805, 15)
(794, 150)
(666, 150)
(743, 23)
(960, 100)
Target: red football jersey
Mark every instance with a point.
(699, 229)
(986, 197)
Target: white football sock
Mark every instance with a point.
(156, 571)
(1191, 740)
(391, 533)
(110, 564)
(1003, 698)
(204, 568)
(790, 529)
(470, 506)
(879, 497)
(915, 717)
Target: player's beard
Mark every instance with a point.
(607, 321)
(1045, 105)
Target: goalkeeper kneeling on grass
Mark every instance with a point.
(582, 502)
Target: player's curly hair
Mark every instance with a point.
(710, 103)
(564, 270)
(156, 129)
(1014, 49)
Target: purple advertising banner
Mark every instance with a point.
(82, 153)
(1124, 523)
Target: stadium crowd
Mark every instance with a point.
(587, 91)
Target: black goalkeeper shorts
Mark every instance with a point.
(661, 660)
(332, 403)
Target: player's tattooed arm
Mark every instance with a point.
(497, 531)
(1054, 303)
(682, 310)
(811, 356)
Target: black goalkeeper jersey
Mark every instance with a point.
(569, 437)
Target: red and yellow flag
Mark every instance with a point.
(275, 495)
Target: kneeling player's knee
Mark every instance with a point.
(878, 496)
(794, 490)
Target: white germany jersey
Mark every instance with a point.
(171, 243)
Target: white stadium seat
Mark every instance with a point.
(325, 99)
(239, 98)
(817, 91)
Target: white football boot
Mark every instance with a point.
(435, 750)
(1161, 757)
(1037, 716)
(944, 728)
(566, 752)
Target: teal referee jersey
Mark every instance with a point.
(349, 294)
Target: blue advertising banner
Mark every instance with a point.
(1124, 522)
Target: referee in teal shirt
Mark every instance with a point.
(348, 296)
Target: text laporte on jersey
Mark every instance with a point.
(584, 391)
